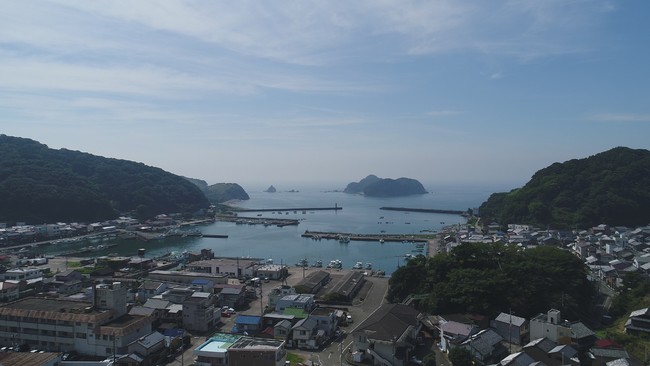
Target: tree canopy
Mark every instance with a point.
(610, 187)
(40, 184)
(492, 278)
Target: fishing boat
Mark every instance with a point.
(358, 265)
(368, 265)
(302, 263)
(317, 264)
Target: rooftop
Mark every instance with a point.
(247, 343)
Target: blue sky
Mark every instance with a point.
(273, 92)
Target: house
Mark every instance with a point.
(149, 289)
(325, 320)
(282, 329)
(279, 292)
(247, 324)
(485, 346)
(66, 283)
(453, 332)
(512, 328)
(9, 291)
(306, 335)
(518, 359)
(386, 336)
(231, 295)
(638, 322)
(149, 348)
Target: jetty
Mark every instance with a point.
(345, 237)
(427, 210)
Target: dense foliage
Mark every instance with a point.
(492, 278)
(610, 187)
(40, 184)
(221, 192)
(374, 186)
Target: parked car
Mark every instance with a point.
(415, 361)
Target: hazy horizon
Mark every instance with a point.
(281, 92)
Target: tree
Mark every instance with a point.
(429, 360)
(460, 357)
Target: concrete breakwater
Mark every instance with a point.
(296, 209)
(427, 210)
(345, 237)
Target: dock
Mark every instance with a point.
(318, 235)
(426, 210)
(241, 220)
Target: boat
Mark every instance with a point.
(381, 241)
(408, 256)
(358, 265)
(335, 263)
(344, 239)
(317, 264)
(302, 263)
(368, 265)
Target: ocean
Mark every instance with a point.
(359, 215)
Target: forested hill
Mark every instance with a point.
(221, 192)
(373, 186)
(41, 185)
(610, 188)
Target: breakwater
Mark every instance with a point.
(296, 209)
(345, 237)
(427, 210)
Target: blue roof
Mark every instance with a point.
(248, 319)
(174, 332)
(200, 281)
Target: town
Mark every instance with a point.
(113, 310)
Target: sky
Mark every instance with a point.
(286, 92)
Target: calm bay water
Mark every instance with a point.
(359, 215)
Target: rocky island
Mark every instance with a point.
(374, 186)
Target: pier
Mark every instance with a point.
(426, 210)
(317, 235)
(240, 220)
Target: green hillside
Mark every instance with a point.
(40, 185)
(221, 192)
(611, 187)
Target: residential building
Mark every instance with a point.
(485, 346)
(9, 291)
(149, 289)
(150, 348)
(638, 322)
(550, 326)
(279, 292)
(199, 312)
(512, 328)
(386, 336)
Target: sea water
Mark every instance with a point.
(359, 215)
